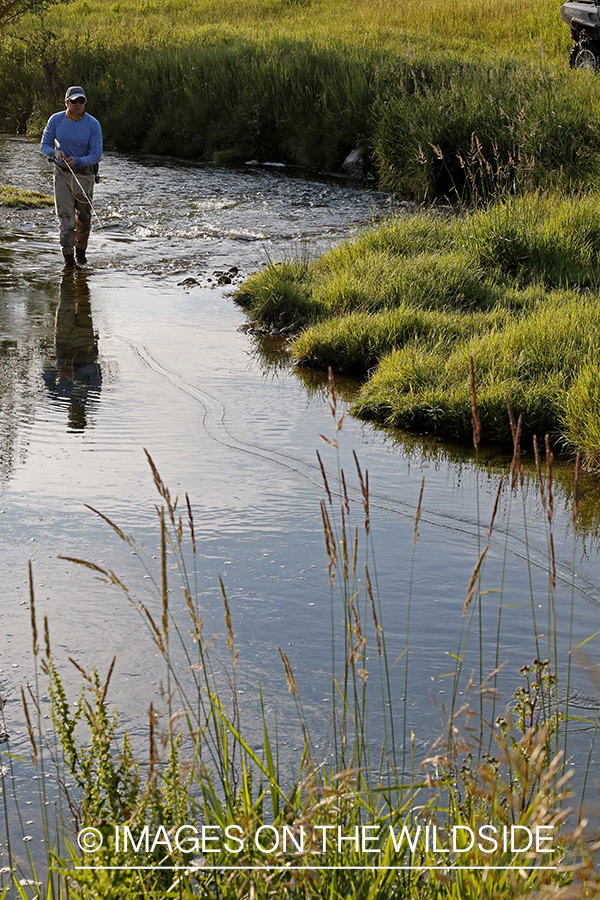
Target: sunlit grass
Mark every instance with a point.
(20, 198)
(514, 286)
(480, 92)
(464, 26)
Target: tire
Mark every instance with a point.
(585, 56)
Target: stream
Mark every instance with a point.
(163, 365)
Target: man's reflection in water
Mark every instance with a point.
(76, 376)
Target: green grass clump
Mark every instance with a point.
(379, 281)
(22, 199)
(279, 294)
(514, 286)
(582, 409)
(532, 360)
(356, 342)
(539, 237)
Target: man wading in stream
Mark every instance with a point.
(73, 139)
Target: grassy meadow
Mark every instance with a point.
(307, 81)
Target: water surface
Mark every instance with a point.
(130, 354)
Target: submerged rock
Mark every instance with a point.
(220, 277)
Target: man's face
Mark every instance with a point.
(76, 105)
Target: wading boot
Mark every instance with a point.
(81, 257)
(69, 260)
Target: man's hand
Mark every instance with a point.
(65, 161)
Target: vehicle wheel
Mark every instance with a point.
(584, 57)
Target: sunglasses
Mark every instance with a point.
(76, 99)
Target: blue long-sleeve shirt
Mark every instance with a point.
(82, 139)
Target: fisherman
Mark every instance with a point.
(73, 139)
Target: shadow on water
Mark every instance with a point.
(75, 378)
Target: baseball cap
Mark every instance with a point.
(75, 91)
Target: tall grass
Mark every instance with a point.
(480, 93)
(201, 767)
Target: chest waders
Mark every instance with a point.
(73, 193)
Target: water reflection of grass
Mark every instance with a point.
(272, 354)
(495, 766)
